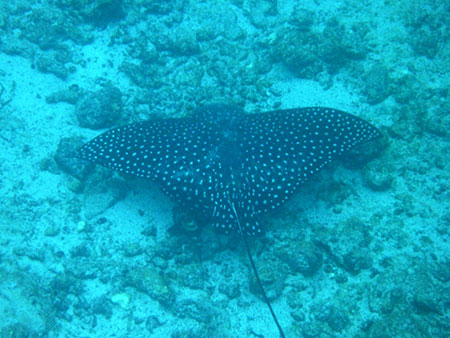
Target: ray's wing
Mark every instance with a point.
(285, 148)
(171, 152)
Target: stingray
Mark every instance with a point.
(228, 165)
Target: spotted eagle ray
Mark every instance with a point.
(230, 166)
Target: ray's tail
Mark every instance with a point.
(244, 237)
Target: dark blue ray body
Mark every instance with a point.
(221, 157)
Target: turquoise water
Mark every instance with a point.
(361, 250)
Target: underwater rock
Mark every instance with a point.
(132, 249)
(52, 229)
(143, 75)
(11, 45)
(51, 63)
(386, 297)
(426, 42)
(301, 18)
(308, 52)
(231, 290)
(102, 12)
(297, 50)
(217, 21)
(169, 250)
(143, 49)
(357, 260)
(62, 289)
(404, 87)
(310, 329)
(102, 306)
(335, 194)
(377, 84)
(85, 269)
(18, 330)
(160, 262)
(359, 156)
(157, 6)
(400, 324)
(65, 160)
(339, 45)
(65, 284)
(195, 332)
(334, 317)
(49, 26)
(101, 109)
(44, 27)
(377, 176)
(102, 195)
(295, 299)
(149, 231)
(189, 77)
(70, 95)
(438, 120)
(272, 275)
(3, 20)
(121, 299)
(31, 251)
(181, 40)
(152, 322)
(425, 304)
(406, 299)
(426, 28)
(441, 269)
(301, 257)
(151, 282)
(198, 308)
(81, 250)
(191, 276)
(261, 13)
(347, 245)
(338, 321)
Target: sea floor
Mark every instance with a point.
(359, 251)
